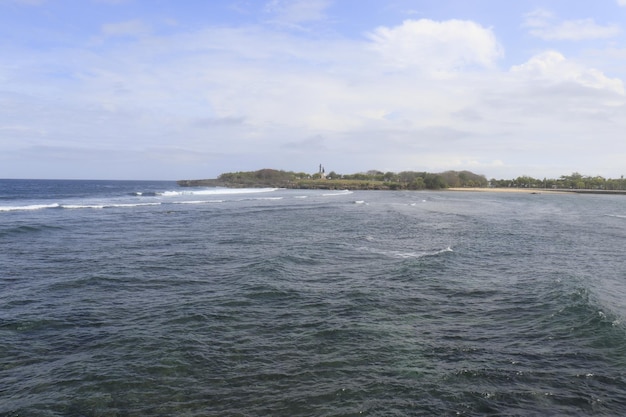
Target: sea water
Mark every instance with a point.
(121, 298)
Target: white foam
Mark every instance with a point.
(171, 193)
(29, 207)
(407, 255)
(131, 205)
(199, 202)
(83, 206)
(217, 191)
(342, 192)
(102, 206)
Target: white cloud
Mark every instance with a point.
(541, 24)
(127, 28)
(551, 66)
(293, 12)
(436, 46)
(555, 111)
(538, 18)
(250, 97)
(621, 3)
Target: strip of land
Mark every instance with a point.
(409, 180)
(536, 190)
(502, 190)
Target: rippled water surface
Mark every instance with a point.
(145, 299)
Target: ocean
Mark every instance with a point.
(139, 298)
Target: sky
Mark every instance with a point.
(189, 89)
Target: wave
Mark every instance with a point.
(110, 205)
(198, 202)
(145, 194)
(585, 313)
(24, 229)
(143, 198)
(29, 207)
(408, 255)
(342, 192)
(75, 206)
(216, 191)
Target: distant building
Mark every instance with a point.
(322, 172)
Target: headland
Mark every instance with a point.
(465, 181)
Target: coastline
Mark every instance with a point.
(506, 190)
(536, 190)
(354, 185)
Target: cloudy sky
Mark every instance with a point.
(172, 89)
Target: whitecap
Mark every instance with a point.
(131, 205)
(408, 255)
(83, 206)
(29, 207)
(342, 192)
(102, 206)
(198, 201)
(217, 191)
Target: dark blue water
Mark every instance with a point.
(145, 299)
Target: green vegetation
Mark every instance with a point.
(371, 180)
(575, 181)
(405, 180)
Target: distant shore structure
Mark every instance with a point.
(322, 172)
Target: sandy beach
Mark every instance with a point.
(538, 190)
(506, 190)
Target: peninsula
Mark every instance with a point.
(409, 180)
(371, 180)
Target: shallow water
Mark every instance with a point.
(141, 298)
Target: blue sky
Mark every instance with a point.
(169, 89)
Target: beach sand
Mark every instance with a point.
(506, 190)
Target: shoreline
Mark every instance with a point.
(536, 190)
(355, 185)
(505, 190)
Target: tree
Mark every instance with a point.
(434, 182)
(417, 184)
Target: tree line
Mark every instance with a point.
(405, 180)
(373, 179)
(575, 181)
